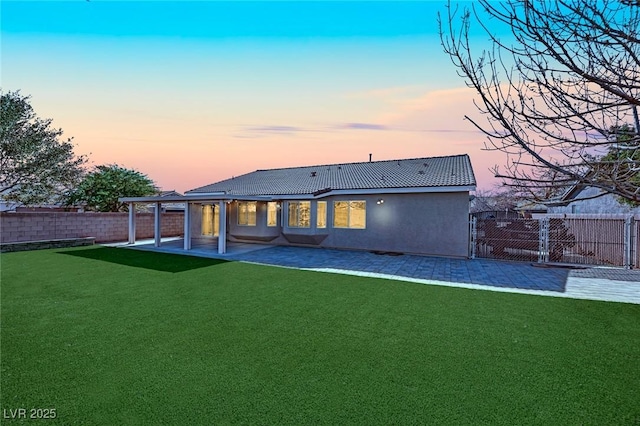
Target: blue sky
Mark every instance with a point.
(222, 19)
(194, 92)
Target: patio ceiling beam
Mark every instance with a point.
(195, 198)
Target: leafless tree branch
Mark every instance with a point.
(553, 94)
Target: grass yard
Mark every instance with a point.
(114, 336)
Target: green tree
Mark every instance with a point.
(36, 164)
(101, 188)
(622, 162)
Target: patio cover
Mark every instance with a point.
(215, 197)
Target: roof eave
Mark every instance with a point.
(368, 191)
(401, 190)
(194, 198)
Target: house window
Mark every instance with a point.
(321, 221)
(207, 220)
(210, 221)
(247, 213)
(272, 213)
(299, 214)
(349, 214)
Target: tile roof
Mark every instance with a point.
(427, 172)
(171, 193)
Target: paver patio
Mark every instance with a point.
(482, 272)
(609, 284)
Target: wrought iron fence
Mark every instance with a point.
(611, 241)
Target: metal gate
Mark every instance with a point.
(610, 241)
(513, 239)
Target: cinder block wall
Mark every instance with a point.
(104, 227)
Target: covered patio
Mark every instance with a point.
(220, 200)
(202, 247)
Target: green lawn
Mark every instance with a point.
(113, 336)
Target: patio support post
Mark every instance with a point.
(222, 229)
(132, 223)
(187, 226)
(157, 229)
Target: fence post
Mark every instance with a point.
(472, 237)
(634, 241)
(543, 243)
(628, 243)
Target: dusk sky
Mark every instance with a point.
(191, 93)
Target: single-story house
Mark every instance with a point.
(418, 205)
(580, 199)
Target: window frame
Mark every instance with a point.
(273, 204)
(297, 204)
(249, 213)
(210, 220)
(324, 214)
(206, 221)
(349, 209)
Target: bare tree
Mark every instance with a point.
(555, 90)
(499, 198)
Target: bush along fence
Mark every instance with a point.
(104, 227)
(600, 240)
